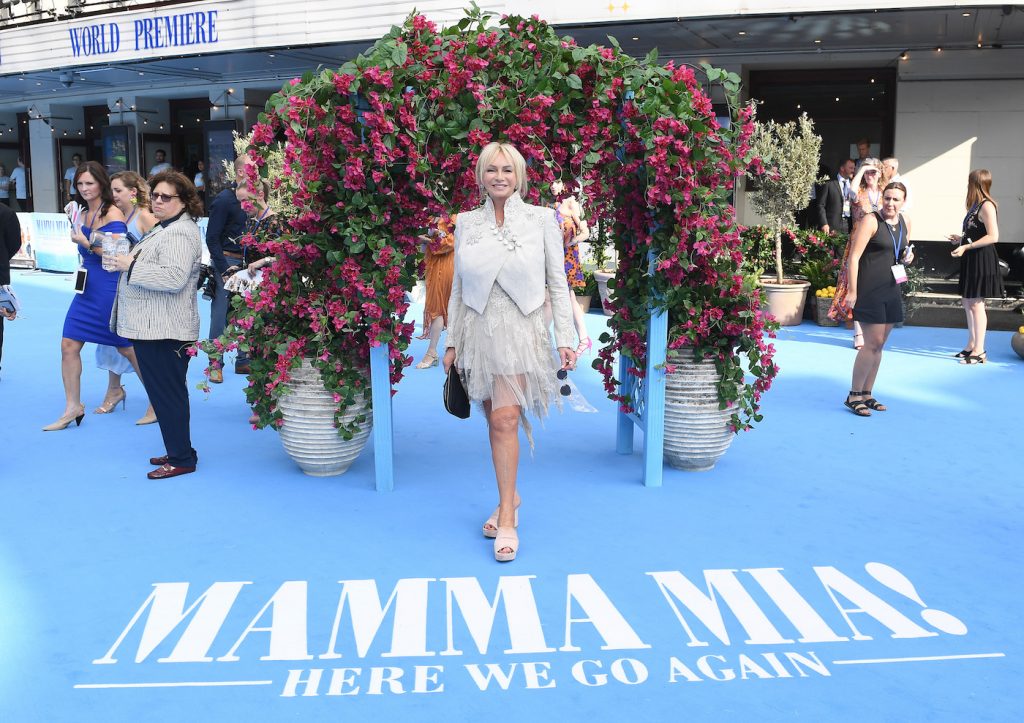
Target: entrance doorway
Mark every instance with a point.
(846, 106)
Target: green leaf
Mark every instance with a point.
(574, 82)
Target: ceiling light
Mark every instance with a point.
(904, 55)
(818, 42)
(979, 43)
(872, 80)
(635, 37)
(938, 50)
(270, 55)
(837, 99)
(141, 73)
(798, 106)
(966, 14)
(196, 69)
(742, 32)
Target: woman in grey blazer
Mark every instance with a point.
(156, 308)
(506, 252)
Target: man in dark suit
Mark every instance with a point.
(833, 206)
(225, 227)
(10, 242)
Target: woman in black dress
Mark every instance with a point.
(879, 248)
(979, 263)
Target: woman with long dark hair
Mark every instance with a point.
(979, 263)
(88, 317)
(878, 249)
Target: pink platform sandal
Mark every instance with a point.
(506, 538)
(490, 528)
(584, 346)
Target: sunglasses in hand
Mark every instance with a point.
(565, 390)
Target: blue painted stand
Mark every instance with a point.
(648, 395)
(383, 430)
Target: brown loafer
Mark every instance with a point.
(158, 461)
(169, 471)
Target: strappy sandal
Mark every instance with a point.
(963, 354)
(429, 360)
(857, 346)
(490, 528)
(506, 538)
(975, 358)
(859, 407)
(871, 402)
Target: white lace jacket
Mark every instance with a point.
(523, 256)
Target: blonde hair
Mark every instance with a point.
(490, 152)
(132, 180)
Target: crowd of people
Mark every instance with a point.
(499, 280)
(868, 199)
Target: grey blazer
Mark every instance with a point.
(156, 296)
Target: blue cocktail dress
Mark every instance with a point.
(88, 318)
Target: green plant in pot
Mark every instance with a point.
(790, 153)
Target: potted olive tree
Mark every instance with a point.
(790, 153)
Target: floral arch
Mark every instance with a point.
(372, 151)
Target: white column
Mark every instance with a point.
(45, 185)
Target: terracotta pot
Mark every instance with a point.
(308, 433)
(1017, 343)
(786, 300)
(602, 277)
(584, 301)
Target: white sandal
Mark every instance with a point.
(492, 530)
(506, 538)
(429, 360)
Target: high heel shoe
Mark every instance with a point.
(63, 422)
(148, 418)
(975, 358)
(429, 360)
(584, 346)
(108, 407)
(490, 528)
(506, 538)
(858, 345)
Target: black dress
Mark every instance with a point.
(879, 300)
(979, 267)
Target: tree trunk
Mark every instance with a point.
(778, 254)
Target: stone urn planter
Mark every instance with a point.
(821, 306)
(786, 300)
(697, 432)
(308, 433)
(602, 277)
(1017, 343)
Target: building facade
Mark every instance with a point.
(940, 86)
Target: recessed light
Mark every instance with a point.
(141, 73)
(271, 55)
(196, 69)
(979, 44)
(966, 14)
(904, 56)
(818, 42)
(872, 80)
(798, 106)
(742, 32)
(635, 37)
(938, 50)
(837, 99)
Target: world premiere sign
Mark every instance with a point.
(169, 31)
(735, 625)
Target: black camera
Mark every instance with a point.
(207, 282)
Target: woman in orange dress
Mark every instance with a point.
(439, 269)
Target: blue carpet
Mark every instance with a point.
(829, 568)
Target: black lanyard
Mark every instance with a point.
(897, 242)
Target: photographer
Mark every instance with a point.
(226, 226)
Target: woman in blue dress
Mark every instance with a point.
(88, 318)
(131, 196)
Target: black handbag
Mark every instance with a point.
(456, 401)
